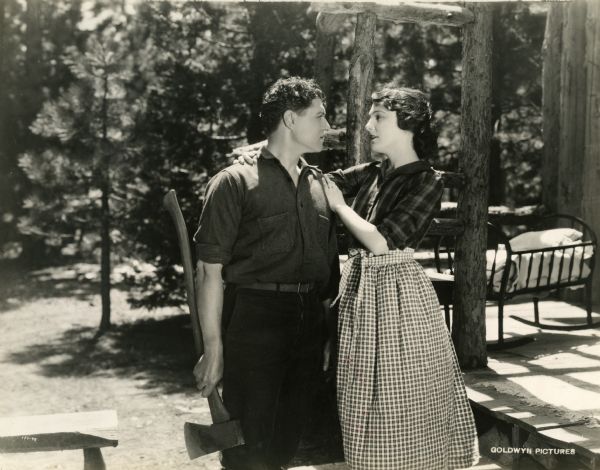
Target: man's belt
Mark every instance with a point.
(298, 287)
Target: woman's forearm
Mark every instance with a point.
(365, 232)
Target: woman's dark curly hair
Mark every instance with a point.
(293, 93)
(413, 112)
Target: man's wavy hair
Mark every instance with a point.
(292, 93)
(413, 113)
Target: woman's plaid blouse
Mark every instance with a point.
(400, 202)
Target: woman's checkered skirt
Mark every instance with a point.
(401, 396)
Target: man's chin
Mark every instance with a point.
(375, 147)
(315, 149)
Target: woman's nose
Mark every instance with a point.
(369, 126)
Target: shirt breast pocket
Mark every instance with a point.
(323, 226)
(275, 236)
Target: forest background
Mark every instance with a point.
(105, 105)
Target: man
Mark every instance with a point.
(268, 232)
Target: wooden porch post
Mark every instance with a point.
(591, 155)
(359, 88)
(551, 52)
(327, 26)
(468, 329)
(572, 109)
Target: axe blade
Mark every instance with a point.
(203, 439)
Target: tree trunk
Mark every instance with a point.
(325, 51)
(105, 247)
(591, 175)
(551, 52)
(105, 242)
(4, 81)
(497, 181)
(572, 110)
(32, 98)
(468, 329)
(359, 89)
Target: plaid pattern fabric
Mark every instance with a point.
(400, 202)
(401, 397)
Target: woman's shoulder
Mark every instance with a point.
(429, 179)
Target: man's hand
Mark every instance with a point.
(326, 355)
(209, 371)
(329, 352)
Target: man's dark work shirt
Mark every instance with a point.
(262, 228)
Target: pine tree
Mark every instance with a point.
(88, 131)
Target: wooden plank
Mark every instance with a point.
(583, 439)
(360, 85)
(99, 421)
(468, 326)
(558, 431)
(55, 441)
(423, 13)
(445, 227)
(502, 215)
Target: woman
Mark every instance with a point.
(401, 397)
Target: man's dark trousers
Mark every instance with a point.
(273, 344)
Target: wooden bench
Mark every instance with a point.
(89, 431)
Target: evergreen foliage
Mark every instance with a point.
(150, 96)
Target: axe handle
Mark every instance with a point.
(217, 409)
(171, 204)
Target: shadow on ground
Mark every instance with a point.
(157, 352)
(19, 285)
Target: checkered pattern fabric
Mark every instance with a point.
(401, 396)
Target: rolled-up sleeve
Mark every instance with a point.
(406, 224)
(220, 219)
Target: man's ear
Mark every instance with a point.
(289, 118)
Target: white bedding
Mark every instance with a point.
(572, 266)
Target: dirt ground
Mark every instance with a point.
(51, 362)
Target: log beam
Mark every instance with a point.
(422, 13)
(468, 328)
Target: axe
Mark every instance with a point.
(224, 433)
